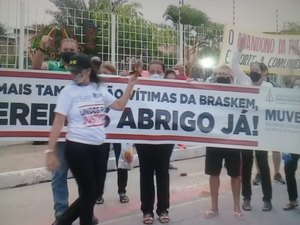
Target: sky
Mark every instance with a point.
(252, 15)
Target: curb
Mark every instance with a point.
(38, 175)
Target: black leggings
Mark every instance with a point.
(122, 173)
(88, 164)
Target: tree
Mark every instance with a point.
(201, 36)
(91, 24)
(291, 28)
(189, 15)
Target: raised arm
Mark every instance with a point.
(240, 77)
(120, 103)
(38, 58)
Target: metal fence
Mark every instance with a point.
(114, 38)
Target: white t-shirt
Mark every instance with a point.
(242, 78)
(84, 107)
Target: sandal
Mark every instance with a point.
(164, 218)
(210, 214)
(239, 215)
(148, 219)
(291, 205)
(124, 198)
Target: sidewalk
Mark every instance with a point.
(23, 163)
(33, 205)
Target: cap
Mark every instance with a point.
(79, 62)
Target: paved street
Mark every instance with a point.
(32, 205)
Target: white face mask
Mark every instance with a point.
(156, 76)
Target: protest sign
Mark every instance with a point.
(160, 111)
(276, 51)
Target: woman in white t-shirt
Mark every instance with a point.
(82, 104)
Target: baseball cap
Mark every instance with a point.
(79, 62)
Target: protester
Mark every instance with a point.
(276, 156)
(84, 151)
(255, 78)
(122, 174)
(59, 184)
(215, 156)
(180, 72)
(290, 167)
(68, 48)
(155, 159)
(108, 68)
(136, 68)
(170, 74)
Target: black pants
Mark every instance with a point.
(290, 168)
(154, 159)
(88, 164)
(122, 173)
(263, 165)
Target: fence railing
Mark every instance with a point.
(113, 38)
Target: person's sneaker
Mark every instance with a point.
(171, 167)
(291, 205)
(267, 206)
(246, 205)
(257, 179)
(95, 220)
(100, 200)
(278, 178)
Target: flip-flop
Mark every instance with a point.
(164, 218)
(148, 219)
(239, 215)
(290, 206)
(210, 214)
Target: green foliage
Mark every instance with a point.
(291, 28)
(140, 37)
(2, 29)
(57, 33)
(135, 35)
(189, 15)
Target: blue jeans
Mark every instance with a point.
(59, 182)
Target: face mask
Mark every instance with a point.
(66, 56)
(255, 76)
(156, 76)
(223, 80)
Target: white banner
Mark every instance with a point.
(161, 111)
(276, 51)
